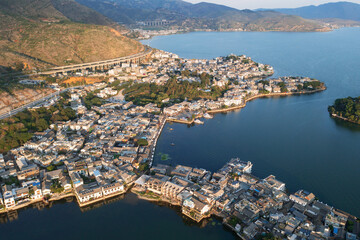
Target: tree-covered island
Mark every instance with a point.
(347, 109)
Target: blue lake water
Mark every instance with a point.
(291, 137)
(128, 218)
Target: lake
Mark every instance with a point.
(291, 137)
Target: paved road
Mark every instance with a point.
(35, 103)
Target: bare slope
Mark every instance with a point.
(37, 34)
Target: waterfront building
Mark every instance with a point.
(9, 200)
(112, 188)
(20, 193)
(37, 193)
(154, 185)
(87, 193)
(195, 208)
(171, 190)
(302, 197)
(275, 184)
(336, 218)
(181, 171)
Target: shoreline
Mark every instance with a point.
(233, 30)
(335, 116)
(99, 199)
(31, 202)
(159, 199)
(229, 109)
(264, 96)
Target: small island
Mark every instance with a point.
(347, 109)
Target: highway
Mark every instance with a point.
(75, 67)
(69, 68)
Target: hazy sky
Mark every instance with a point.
(253, 4)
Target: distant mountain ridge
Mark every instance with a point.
(339, 10)
(45, 33)
(55, 9)
(199, 16)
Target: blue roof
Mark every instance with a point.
(96, 173)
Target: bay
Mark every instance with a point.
(290, 137)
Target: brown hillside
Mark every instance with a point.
(37, 34)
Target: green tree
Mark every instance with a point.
(142, 142)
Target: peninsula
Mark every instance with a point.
(96, 140)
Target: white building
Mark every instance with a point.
(112, 188)
(9, 200)
(86, 193)
(37, 193)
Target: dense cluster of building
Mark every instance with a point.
(249, 206)
(107, 149)
(243, 77)
(94, 157)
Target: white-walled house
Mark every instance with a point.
(113, 188)
(9, 200)
(37, 193)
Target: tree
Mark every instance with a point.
(143, 167)
(31, 192)
(142, 142)
(51, 168)
(346, 107)
(42, 124)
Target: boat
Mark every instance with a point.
(172, 144)
(171, 129)
(208, 116)
(197, 121)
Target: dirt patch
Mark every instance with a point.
(117, 33)
(87, 80)
(20, 97)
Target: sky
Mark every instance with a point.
(254, 4)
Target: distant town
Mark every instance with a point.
(100, 140)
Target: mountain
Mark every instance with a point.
(56, 9)
(199, 16)
(46, 33)
(339, 10)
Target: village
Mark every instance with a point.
(108, 150)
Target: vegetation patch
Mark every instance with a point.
(17, 130)
(164, 157)
(348, 108)
(177, 91)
